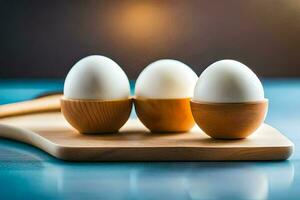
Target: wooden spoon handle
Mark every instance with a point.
(43, 104)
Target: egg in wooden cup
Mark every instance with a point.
(228, 101)
(96, 96)
(163, 92)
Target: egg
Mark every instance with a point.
(96, 96)
(166, 79)
(228, 81)
(228, 101)
(163, 92)
(96, 77)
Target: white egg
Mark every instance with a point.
(166, 79)
(228, 81)
(96, 77)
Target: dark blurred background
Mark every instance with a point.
(43, 39)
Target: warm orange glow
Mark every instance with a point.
(143, 21)
(143, 24)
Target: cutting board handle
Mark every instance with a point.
(42, 104)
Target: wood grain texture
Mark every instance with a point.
(43, 104)
(165, 115)
(51, 133)
(229, 120)
(93, 116)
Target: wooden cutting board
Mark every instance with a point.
(51, 133)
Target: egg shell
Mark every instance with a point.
(96, 77)
(228, 81)
(166, 79)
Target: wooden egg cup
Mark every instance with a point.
(229, 120)
(96, 116)
(165, 115)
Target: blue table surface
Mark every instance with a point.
(29, 173)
